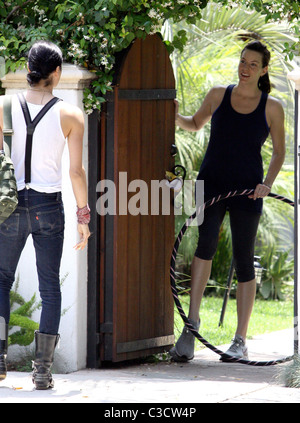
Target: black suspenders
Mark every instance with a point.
(31, 125)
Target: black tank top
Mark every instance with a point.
(233, 156)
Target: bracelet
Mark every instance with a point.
(83, 215)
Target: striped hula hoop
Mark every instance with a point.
(174, 288)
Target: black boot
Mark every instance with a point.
(44, 353)
(3, 351)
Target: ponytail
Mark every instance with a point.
(264, 83)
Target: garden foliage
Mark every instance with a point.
(21, 318)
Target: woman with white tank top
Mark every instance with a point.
(40, 208)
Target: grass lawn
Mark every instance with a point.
(268, 316)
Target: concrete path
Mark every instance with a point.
(204, 380)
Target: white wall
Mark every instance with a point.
(71, 354)
(295, 76)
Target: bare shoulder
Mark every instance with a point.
(70, 112)
(210, 103)
(215, 97)
(274, 107)
(274, 113)
(217, 92)
(72, 119)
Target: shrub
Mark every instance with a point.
(21, 317)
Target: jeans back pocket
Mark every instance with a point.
(50, 222)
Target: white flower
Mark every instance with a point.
(104, 43)
(152, 13)
(104, 61)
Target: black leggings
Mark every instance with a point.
(243, 226)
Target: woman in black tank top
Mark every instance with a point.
(242, 116)
(233, 159)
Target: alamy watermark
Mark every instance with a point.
(138, 197)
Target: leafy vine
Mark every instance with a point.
(91, 32)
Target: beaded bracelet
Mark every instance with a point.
(83, 215)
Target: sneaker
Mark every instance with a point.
(183, 351)
(237, 349)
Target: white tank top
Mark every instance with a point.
(47, 147)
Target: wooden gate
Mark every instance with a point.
(137, 132)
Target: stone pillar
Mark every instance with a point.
(295, 77)
(73, 328)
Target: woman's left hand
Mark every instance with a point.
(84, 233)
(260, 191)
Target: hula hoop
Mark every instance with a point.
(175, 292)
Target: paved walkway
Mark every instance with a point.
(204, 380)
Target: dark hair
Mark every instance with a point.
(43, 59)
(264, 83)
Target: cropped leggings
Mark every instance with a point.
(243, 225)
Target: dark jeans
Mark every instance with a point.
(42, 216)
(244, 225)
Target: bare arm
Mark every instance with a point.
(278, 139)
(76, 171)
(73, 127)
(275, 116)
(210, 103)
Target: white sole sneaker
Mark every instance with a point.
(237, 349)
(183, 351)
